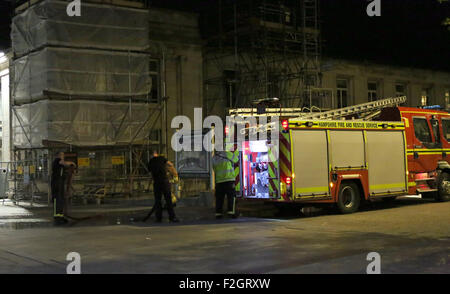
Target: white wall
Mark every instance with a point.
(5, 116)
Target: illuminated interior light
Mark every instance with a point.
(3, 57)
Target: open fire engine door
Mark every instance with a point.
(259, 170)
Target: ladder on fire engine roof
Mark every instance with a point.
(373, 108)
(366, 110)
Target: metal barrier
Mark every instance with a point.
(3, 183)
(99, 175)
(18, 180)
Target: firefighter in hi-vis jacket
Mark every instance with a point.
(223, 165)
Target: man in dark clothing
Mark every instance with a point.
(57, 182)
(161, 186)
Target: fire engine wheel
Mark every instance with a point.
(349, 198)
(443, 187)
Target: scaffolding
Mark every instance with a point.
(89, 94)
(258, 48)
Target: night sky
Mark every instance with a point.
(5, 24)
(408, 32)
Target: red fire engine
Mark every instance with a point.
(321, 158)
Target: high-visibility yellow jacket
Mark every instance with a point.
(223, 165)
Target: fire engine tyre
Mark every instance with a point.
(443, 191)
(348, 198)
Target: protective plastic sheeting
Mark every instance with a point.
(80, 72)
(82, 123)
(99, 26)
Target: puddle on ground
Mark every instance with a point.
(25, 224)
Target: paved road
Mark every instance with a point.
(412, 236)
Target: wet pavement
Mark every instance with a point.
(411, 235)
(25, 216)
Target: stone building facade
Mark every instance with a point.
(359, 82)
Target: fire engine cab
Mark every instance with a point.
(427, 134)
(322, 158)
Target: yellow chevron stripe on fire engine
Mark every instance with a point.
(284, 150)
(286, 153)
(412, 184)
(272, 159)
(405, 159)
(284, 168)
(271, 173)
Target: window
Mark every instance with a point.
(400, 90)
(342, 93)
(446, 129)
(447, 99)
(154, 77)
(422, 130)
(372, 91)
(425, 97)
